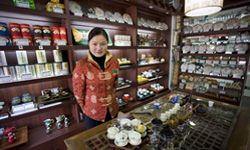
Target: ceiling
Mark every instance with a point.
(176, 6)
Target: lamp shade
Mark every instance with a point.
(196, 8)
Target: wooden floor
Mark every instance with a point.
(240, 138)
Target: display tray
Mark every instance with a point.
(21, 138)
(60, 98)
(127, 147)
(145, 97)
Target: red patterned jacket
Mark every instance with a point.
(94, 89)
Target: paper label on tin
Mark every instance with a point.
(61, 42)
(22, 57)
(44, 42)
(46, 74)
(78, 14)
(216, 62)
(58, 10)
(26, 76)
(3, 61)
(5, 79)
(23, 42)
(57, 55)
(41, 56)
(224, 62)
(23, 4)
(3, 42)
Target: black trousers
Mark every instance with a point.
(90, 123)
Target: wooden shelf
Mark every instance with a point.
(14, 48)
(38, 137)
(150, 47)
(164, 63)
(64, 103)
(214, 97)
(85, 47)
(125, 87)
(19, 10)
(231, 31)
(209, 55)
(16, 83)
(134, 104)
(211, 76)
(153, 80)
(127, 67)
(145, 29)
(102, 22)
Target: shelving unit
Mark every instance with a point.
(219, 92)
(72, 53)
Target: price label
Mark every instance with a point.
(46, 74)
(58, 10)
(5, 79)
(26, 76)
(20, 47)
(45, 42)
(222, 92)
(78, 14)
(224, 62)
(3, 42)
(23, 42)
(40, 47)
(64, 72)
(23, 4)
(61, 42)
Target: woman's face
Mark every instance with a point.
(98, 45)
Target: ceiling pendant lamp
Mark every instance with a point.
(197, 8)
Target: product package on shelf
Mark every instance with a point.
(22, 58)
(5, 39)
(80, 36)
(42, 35)
(41, 56)
(57, 54)
(59, 36)
(122, 40)
(24, 3)
(3, 61)
(55, 6)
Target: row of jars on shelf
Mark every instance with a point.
(206, 26)
(94, 13)
(21, 34)
(214, 60)
(212, 49)
(214, 70)
(27, 72)
(191, 82)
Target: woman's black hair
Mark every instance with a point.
(97, 31)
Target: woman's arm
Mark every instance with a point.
(78, 83)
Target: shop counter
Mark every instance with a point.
(198, 126)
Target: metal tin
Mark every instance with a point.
(40, 68)
(65, 68)
(20, 70)
(38, 34)
(57, 68)
(32, 70)
(4, 35)
(49, 68)
(63, 34)
(26, 33)
(46, 32)
(55, 35)
(57, 55)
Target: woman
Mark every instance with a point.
(94, 79)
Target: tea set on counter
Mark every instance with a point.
(126, 131)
